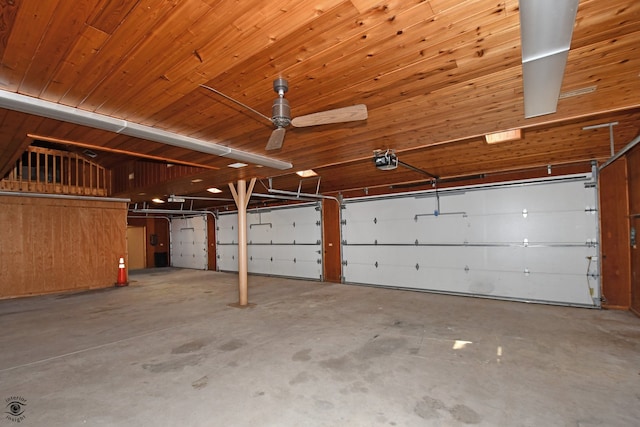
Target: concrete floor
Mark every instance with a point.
(168, 351)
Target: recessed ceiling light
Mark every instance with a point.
(214, 190)
(509, 135)
(157, 200)
(307, 173)
(238, 165)
(195, 181)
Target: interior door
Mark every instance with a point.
(136, 247)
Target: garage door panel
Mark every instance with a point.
(285, 241)
(536, 227)
(189, 242)
(532, 241)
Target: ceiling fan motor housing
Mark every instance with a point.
(281, 112)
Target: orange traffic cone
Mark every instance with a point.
(122, 274)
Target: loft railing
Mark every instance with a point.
(42, 170)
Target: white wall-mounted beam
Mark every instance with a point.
(52, 110)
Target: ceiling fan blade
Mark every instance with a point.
(237, 102)
(338, 115)
(276, 139)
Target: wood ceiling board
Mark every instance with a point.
(134, 74)
(26, 35)
(230, 45)
(432, 74)
(7, 19)
(82, 53)
(109, 14)
(601, 20)
(146, 15)
(54, 45)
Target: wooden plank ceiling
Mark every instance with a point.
(435, 75)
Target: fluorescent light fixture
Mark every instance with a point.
(157, 200)
(214, 190)
(509, 135)
(546, 27)
(307, 173)
(52, 110)
(238, 165)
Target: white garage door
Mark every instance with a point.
(189, 242)
(284, 241)
(532, 241)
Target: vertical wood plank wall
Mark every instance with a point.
(159, 227)
(614, 232)
(331, 241)
(211, 240)
(54, 244)
(633, 162)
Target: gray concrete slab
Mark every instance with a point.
(168, 350)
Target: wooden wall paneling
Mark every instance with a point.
(14, 141)
(633, 161)
(211, 240)
(162, 230)
(11, 248)
(331, 241)
(635, 270)
(54, 245)
(614, 235)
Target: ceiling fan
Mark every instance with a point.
(281, 114)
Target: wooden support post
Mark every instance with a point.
(241, 197)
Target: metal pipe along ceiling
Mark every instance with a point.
(51, 110)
